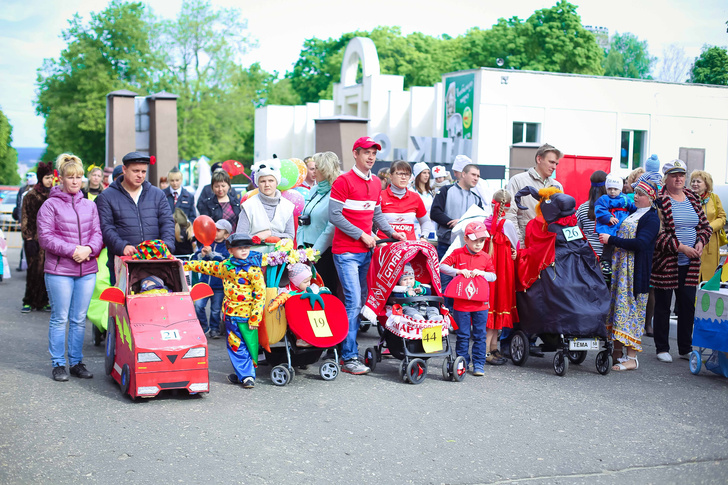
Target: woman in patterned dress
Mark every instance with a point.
(631, 268)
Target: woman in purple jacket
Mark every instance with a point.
(69, 231)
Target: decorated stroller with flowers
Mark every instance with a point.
(299, 324)
(412, 340)
(710, 330)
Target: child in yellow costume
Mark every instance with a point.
(243, 303)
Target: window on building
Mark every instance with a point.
(526, 132)
(632, 149)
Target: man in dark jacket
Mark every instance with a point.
(178, 197)
(132, 210)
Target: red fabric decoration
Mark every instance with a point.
(297, 315)
(539, 253)
(256, 240)
(503, 310)
(152, 160)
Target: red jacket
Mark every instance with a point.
(462, 258)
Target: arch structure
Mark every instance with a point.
(359, 49)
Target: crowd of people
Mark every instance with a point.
(656, 237)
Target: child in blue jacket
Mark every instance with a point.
(216, 252)
(610, 210)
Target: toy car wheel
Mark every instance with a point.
(417, 371)
(459, 369)
(125, 379)
(447, 368)
(696, 362)
(519, 348)
(604, 362)
(110, 347)
(561, 363)
(280, 375)
(329, 370)
(403, 370)
(576, 356)
(370, 358)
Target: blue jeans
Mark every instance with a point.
(215, 311)
(471, 324)
(69, 297)
(352, 269)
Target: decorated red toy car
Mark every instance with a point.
(154, 340)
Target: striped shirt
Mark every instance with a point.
(685, 221)
(588, 228)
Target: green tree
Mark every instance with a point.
(8, 154)
(200, 49)
(711, 67)
(628, 57)
(108, 53)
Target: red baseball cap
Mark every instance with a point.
(366, 142)
(475, 230)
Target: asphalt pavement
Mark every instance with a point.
(659, 424)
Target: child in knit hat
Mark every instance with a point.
(610, 210)
(408, 287)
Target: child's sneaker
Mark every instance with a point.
(478, 371)
(233, 379)
(25, 309)
(606, 267)
(248, 383)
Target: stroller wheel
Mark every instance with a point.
(447, 368)
(370, 358)
(604, 362)
(459, 369)
(380, 330)
(561, 363)
(364, 327)
(403, 370)
(417, 371)
(329, 370)
(695, 362)
(519, 348)
(280, 375)
(576, 356)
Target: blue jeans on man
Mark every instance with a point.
(213, 325)
(352, 269)
(69, 297)
(471, 324)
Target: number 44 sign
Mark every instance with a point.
(432, 339)
(319, 324)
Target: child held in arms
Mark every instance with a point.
(243, 303)
(610, 210)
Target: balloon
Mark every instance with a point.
(247, 195)
(289, 175)
(302, 190)
(297, 199)
(302, 171)
(233, 168)
(205, 230)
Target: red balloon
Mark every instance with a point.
(205, 230)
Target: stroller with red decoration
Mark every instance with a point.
(561, 295)
(299, 325)
(412, 328)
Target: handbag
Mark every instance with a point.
(722, 238)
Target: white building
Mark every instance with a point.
(498, 116)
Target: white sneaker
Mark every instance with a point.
(685, 356)
(664, 357)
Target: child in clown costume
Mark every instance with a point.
(243, 303)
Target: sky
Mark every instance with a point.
(30, 31)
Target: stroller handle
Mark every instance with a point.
(387, 240)
(415, 299)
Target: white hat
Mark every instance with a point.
(614, 182)
(460, 161)
(439, 171)
(419, 167)
(31, 178)
(267, 167)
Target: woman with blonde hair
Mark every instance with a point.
(70, 233)
(702, 184)
(314, 228)
(95, 185)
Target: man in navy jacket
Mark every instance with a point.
(132, 210)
